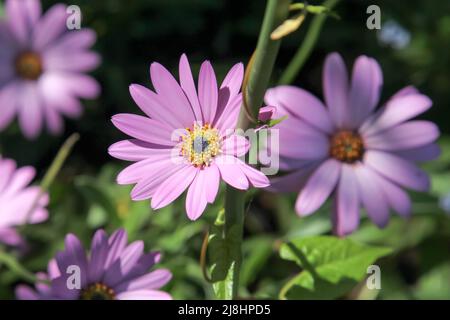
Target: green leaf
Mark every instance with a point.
(257, 252)
(223, 261)
(331, 266)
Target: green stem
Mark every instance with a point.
(307, 46)
(11, 263)
(258, 81)
(52, 172)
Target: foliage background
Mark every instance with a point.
(132, 34)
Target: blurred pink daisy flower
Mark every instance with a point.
(363, 156)
(42, 67)
(112, 271)
(186, 140)
(17, 199)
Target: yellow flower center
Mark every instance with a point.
(28, 65)
(97, 291)
(200, 145)
(347, 146)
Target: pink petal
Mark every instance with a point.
(367, 80)
(301, 104)
(50, 27)
(318, 187)
(233, 79)
(229, 118)
(30, 110)
(8, 101)
(7, 168)
(235, 145)
(298, 140)
(346, 203)
(188, 86)
(160, 158)
(74, 41)
(397, 111)
(372, 195)
(146, 188)
(256, 178)
(171, 93)
(154, 106)
(335, 88)
(295, 181)
(411, 134)
(173, 187)
(144, 129)
(22, 17)
(78, 61)
(396, 197)
(99, 252)
(207, 91)
(213, 182)
(151, 281)
(20, 180)
(196, 196)
(397, 170)
(144, 295)
(420, 154)
(231, 172)
(53, 119)
(132, 150)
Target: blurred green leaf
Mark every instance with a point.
(331, 266)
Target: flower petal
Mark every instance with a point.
(301, 104)
(171, 93)
(99, 253)
(335, 88)
(372, 195)
(188, 85)
(235, 145)
(50, 27)
(294, 181)
(318, 187)
(367, 80)
(397, 170)
(151, 281)
(173, 187)
(196, 196)
(411, 134)
(420, 154)
(207, 91)
(396, 111)
(231, 172)
(144, 295)
(144, 129)
(132, 150)
(346, 203)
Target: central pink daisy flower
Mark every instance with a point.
(361, 156)
(186, 140)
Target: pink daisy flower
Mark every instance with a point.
(17, 199)
(185, 141)
(364, 157)
(42, 67)
(112, 271)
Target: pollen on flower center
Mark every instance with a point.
(347, 146)
(97, 291)
(200, 145)
(28, 65)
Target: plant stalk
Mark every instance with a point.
(258, 81)
(304, 51)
